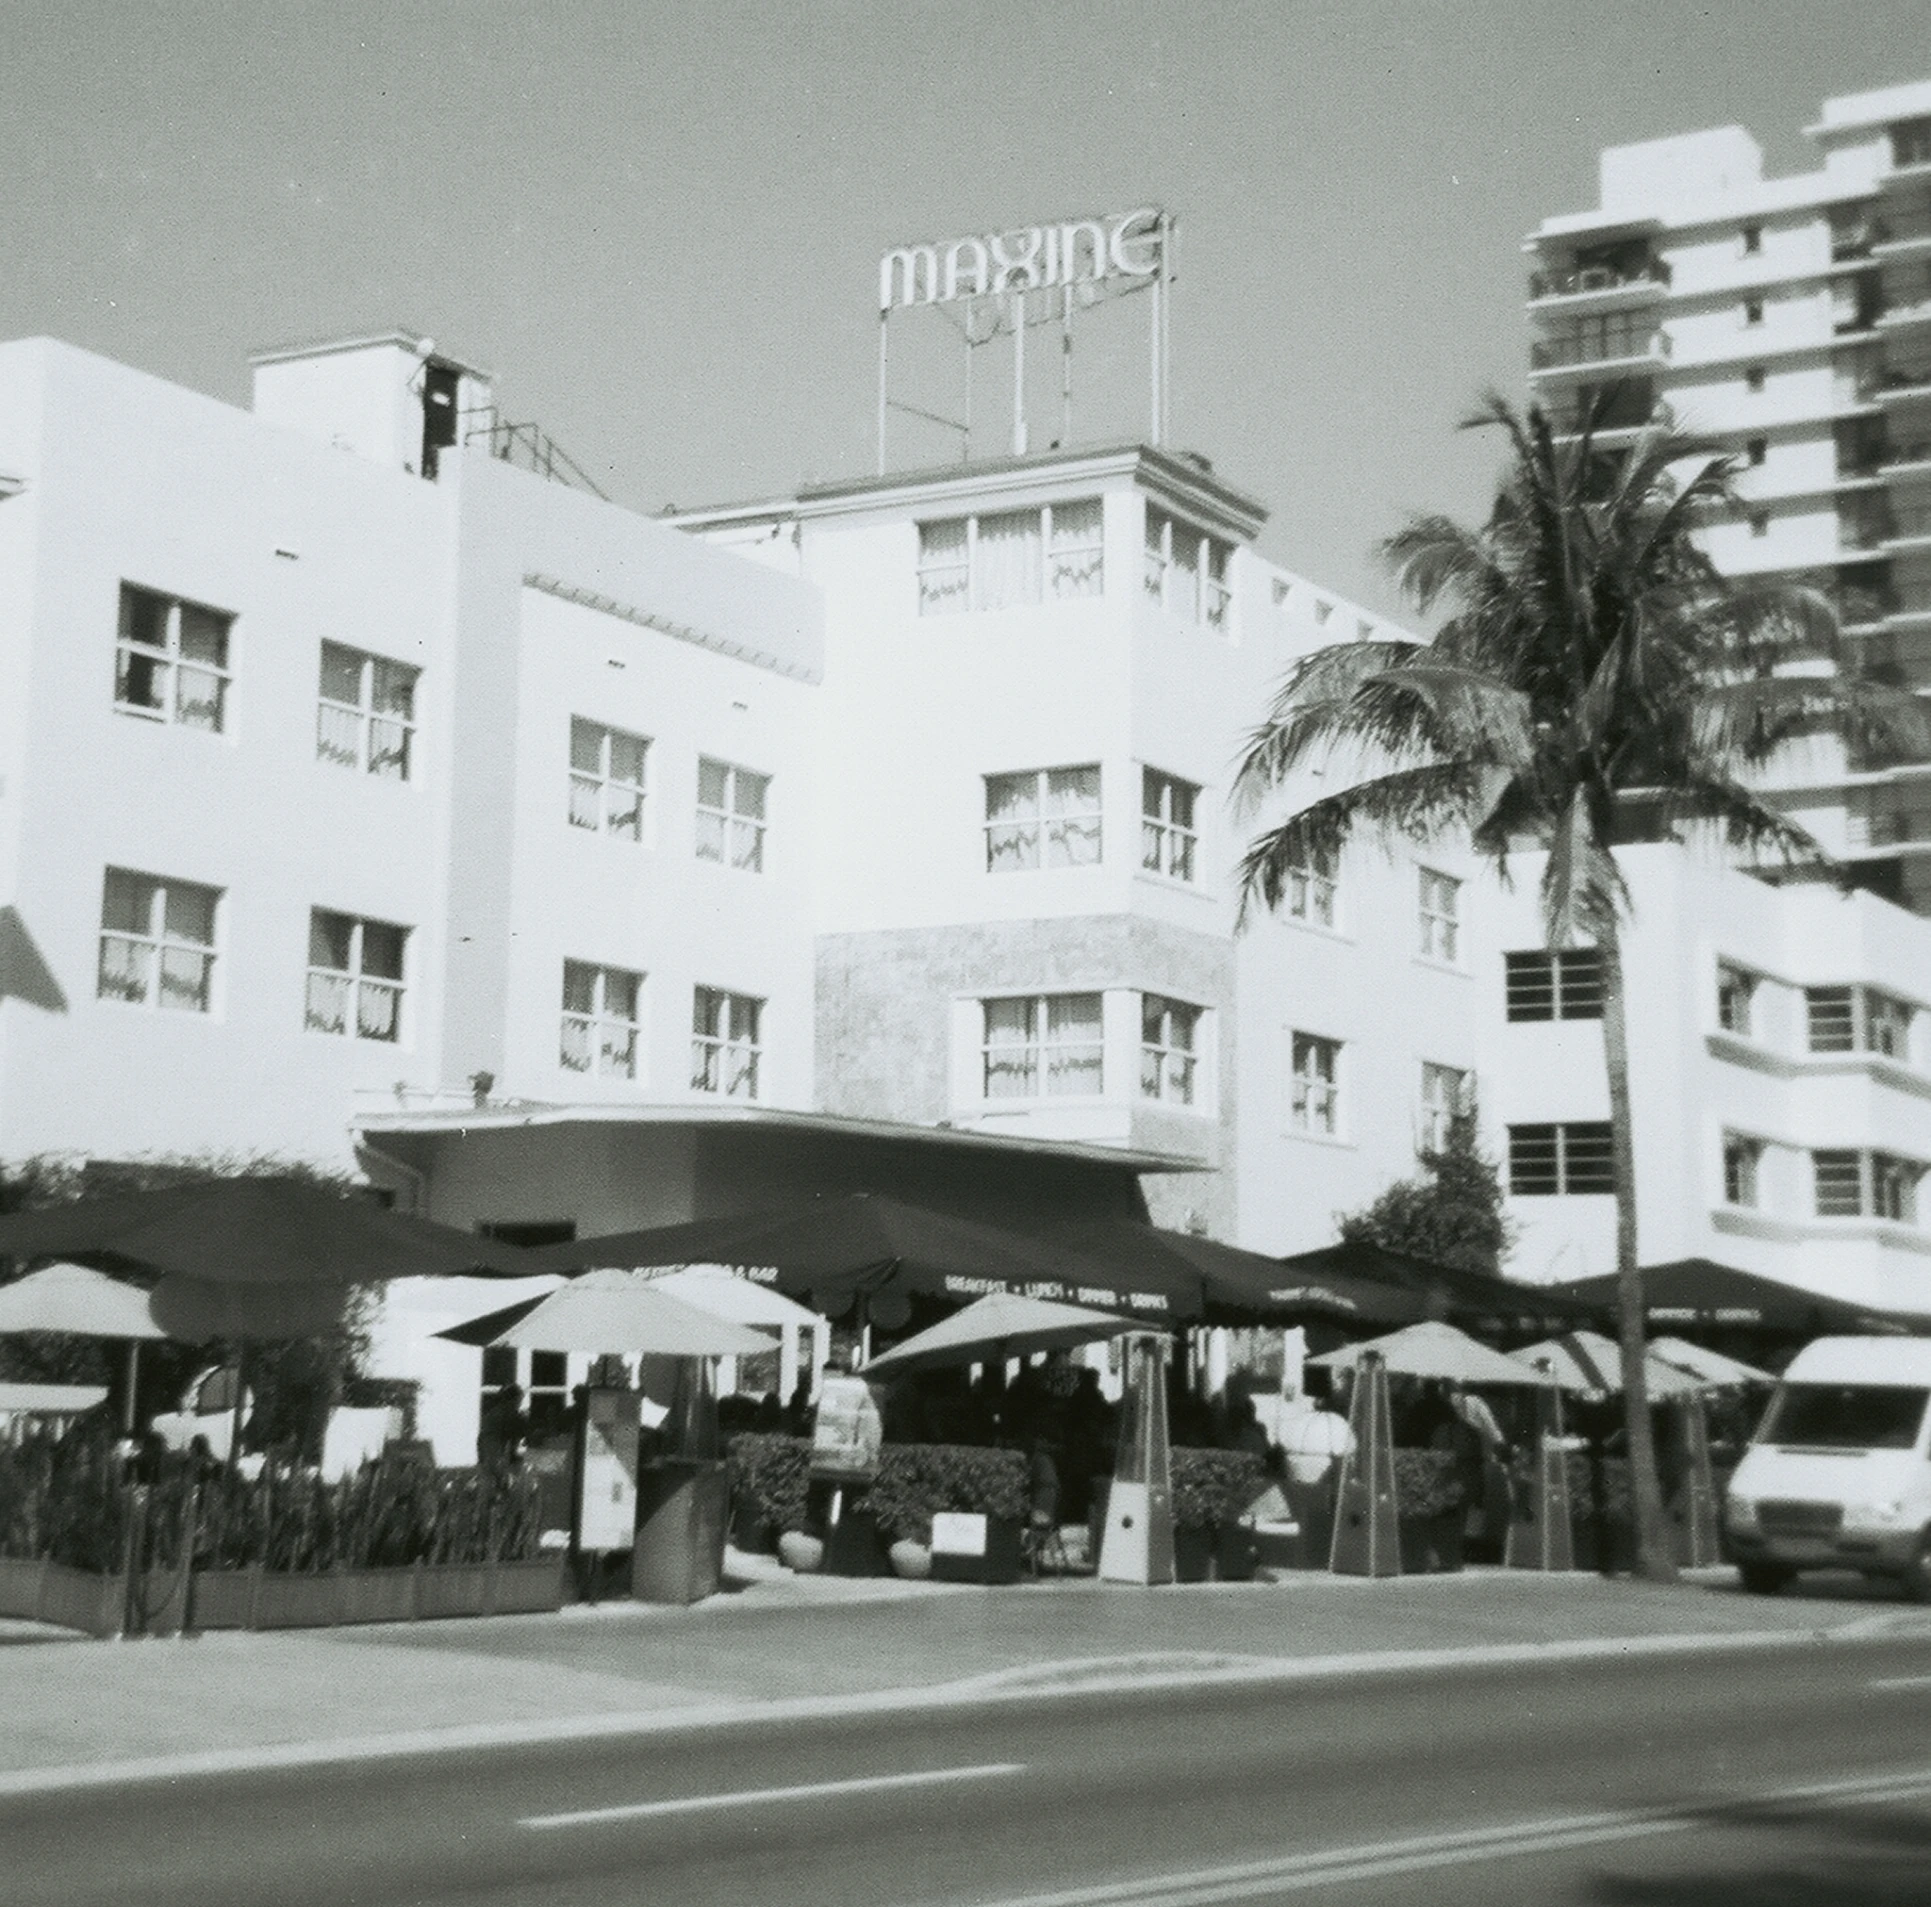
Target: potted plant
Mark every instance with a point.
(1431, 1505)
(917, 1482)
(1211, 1491)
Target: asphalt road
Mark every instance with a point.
(1726, 1779)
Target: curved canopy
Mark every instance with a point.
(1591, 1364)
(1444, 1291)
(1438, 1351)
(1702, 1292)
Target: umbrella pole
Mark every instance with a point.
(241, 1391)
(133, 1378)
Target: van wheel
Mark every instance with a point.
(1764, 1579)
(1917, 1572)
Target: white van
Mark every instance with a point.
(1838, 1475)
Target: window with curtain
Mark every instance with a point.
(1043, 817)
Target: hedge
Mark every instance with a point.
(772, 1475)
(1214, 1486)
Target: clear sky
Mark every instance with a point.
(659, 224)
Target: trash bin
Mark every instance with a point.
(682, 1505)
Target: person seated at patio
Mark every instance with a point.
(503, 1429)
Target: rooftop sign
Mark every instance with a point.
(1077, 252)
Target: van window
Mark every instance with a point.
(1846, 1416)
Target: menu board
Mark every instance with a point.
(607, 1476)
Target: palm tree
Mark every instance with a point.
(1594, 681)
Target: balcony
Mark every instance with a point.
(1638, 283)
(1624, 408)
(1631, 351)
(1909, 532)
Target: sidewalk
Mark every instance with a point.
(782, 1644)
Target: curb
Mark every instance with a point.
(1099, 1675)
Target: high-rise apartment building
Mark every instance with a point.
(1789, 319)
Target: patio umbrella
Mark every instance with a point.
(1000, 1325)
(720, 1291)
(866, 1246)
(611, 1311)
(1590, 1363)
(1700, 1291)
(1434, 1350)
(1713, 1367)
(82, 1302)
(1235, 1286)
(1446, 1291)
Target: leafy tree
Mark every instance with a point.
(1450, 1213)
(1594, 681)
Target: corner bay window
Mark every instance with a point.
(730, 815)
(607, 779)
(1855, 1184)
(354, 976)
(1167, 837)
(1043, 817)
(1555, 986)
(157, 942)
(1742, 1162)
(600, 1020)
(1012, 558)
(366, 712)
(1547, 1161)
(1186, 570)
(1169, 1030)
(1048, 1044)
(1316, 1101)
(1858, 1020)
(171, 660)
(1736, 996)
(726, 1042)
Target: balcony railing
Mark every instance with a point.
(1587, 278)
(1546, 354)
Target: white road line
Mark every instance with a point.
(759, 1797)
(1207, 1887)
(1901, 1681)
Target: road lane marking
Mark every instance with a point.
(1900, 1681)
(760, 1797)
(1206, 1887)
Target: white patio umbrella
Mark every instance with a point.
(82, 1303)
(1437, 1351)
(720, 1291)
(612, 1311)
(1713, 1367)
(1001, 1325)
(1589, 1363)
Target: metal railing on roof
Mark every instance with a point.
(529, 447)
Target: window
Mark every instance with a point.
(1547, 1161)
(1555, 986)
(1736, 998)
(1858, 1020)
(607, 779)
(1316, 1104)
(725, 1043)
(1851, 1417)
(1759, 522)
(1741, 1158)
(549, 1398)
(1447, 1095)
(1311, 887)
(1012, 558)
(157, 942)
(1752, 236)
(1753, 311)
(600, 1020)
(1441, 897)
(365, 716)
(1911, 142)
(1167, 837)
(1322, 611)
(1852, 1184)
(171, 660)
(354, 976)
(730, 815)
(1757, 449)
(1753, 378)
(1186, 570)
(1043, 817)
(1049, 1045)
(1167, 1049)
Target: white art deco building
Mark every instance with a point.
(370, 799)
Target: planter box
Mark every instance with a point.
(1193, 1554)
(298, 1602)
(532, 1588)
(223, 1599)
(1235, 1553)
(1000, 1561)
(40, 1591)
(20, 1587)
(1433, 1545)
(377, 1595)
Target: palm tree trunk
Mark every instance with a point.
(1654, 1560)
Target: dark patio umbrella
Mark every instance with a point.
(868, 1246)
(1237, 1286)
(1445, 1291)
(1699, 1291)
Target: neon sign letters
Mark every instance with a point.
(1079, 251)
